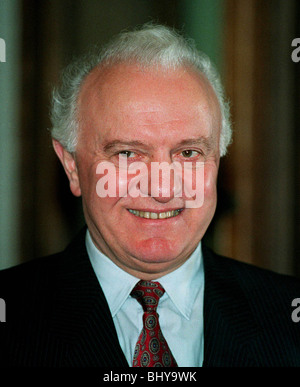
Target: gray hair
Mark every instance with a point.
(151, 45)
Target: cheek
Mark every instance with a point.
(116, 183)
(122, 181)
(209, 191)
(210, 181)
(201, 185)
(201, 217)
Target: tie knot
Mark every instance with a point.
(148, 294)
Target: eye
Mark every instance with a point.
(127, 154)
(189, 153)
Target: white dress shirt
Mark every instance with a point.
(180, 309)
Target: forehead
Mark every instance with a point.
(138, 96)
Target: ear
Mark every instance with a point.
(70, 167)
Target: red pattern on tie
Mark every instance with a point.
(151, 349)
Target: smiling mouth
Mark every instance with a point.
(156, 215)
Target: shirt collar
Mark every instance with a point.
(182, 285)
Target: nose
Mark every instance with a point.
(164, 181)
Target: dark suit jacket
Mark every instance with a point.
(58, 316)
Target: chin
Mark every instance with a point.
(157, 250)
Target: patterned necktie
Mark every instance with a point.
(151, 349)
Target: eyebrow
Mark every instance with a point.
(113, 144)
(206, 141)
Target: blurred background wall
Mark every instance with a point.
(258, 214)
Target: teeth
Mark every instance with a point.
(155, 215)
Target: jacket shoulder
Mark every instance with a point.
(268, 295)
(254, 308)
(41, 273)
(29, 276)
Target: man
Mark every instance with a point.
(148, 99)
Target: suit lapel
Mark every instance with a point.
(83, 320)
(229, 326)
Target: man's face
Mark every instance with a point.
(146, 116)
